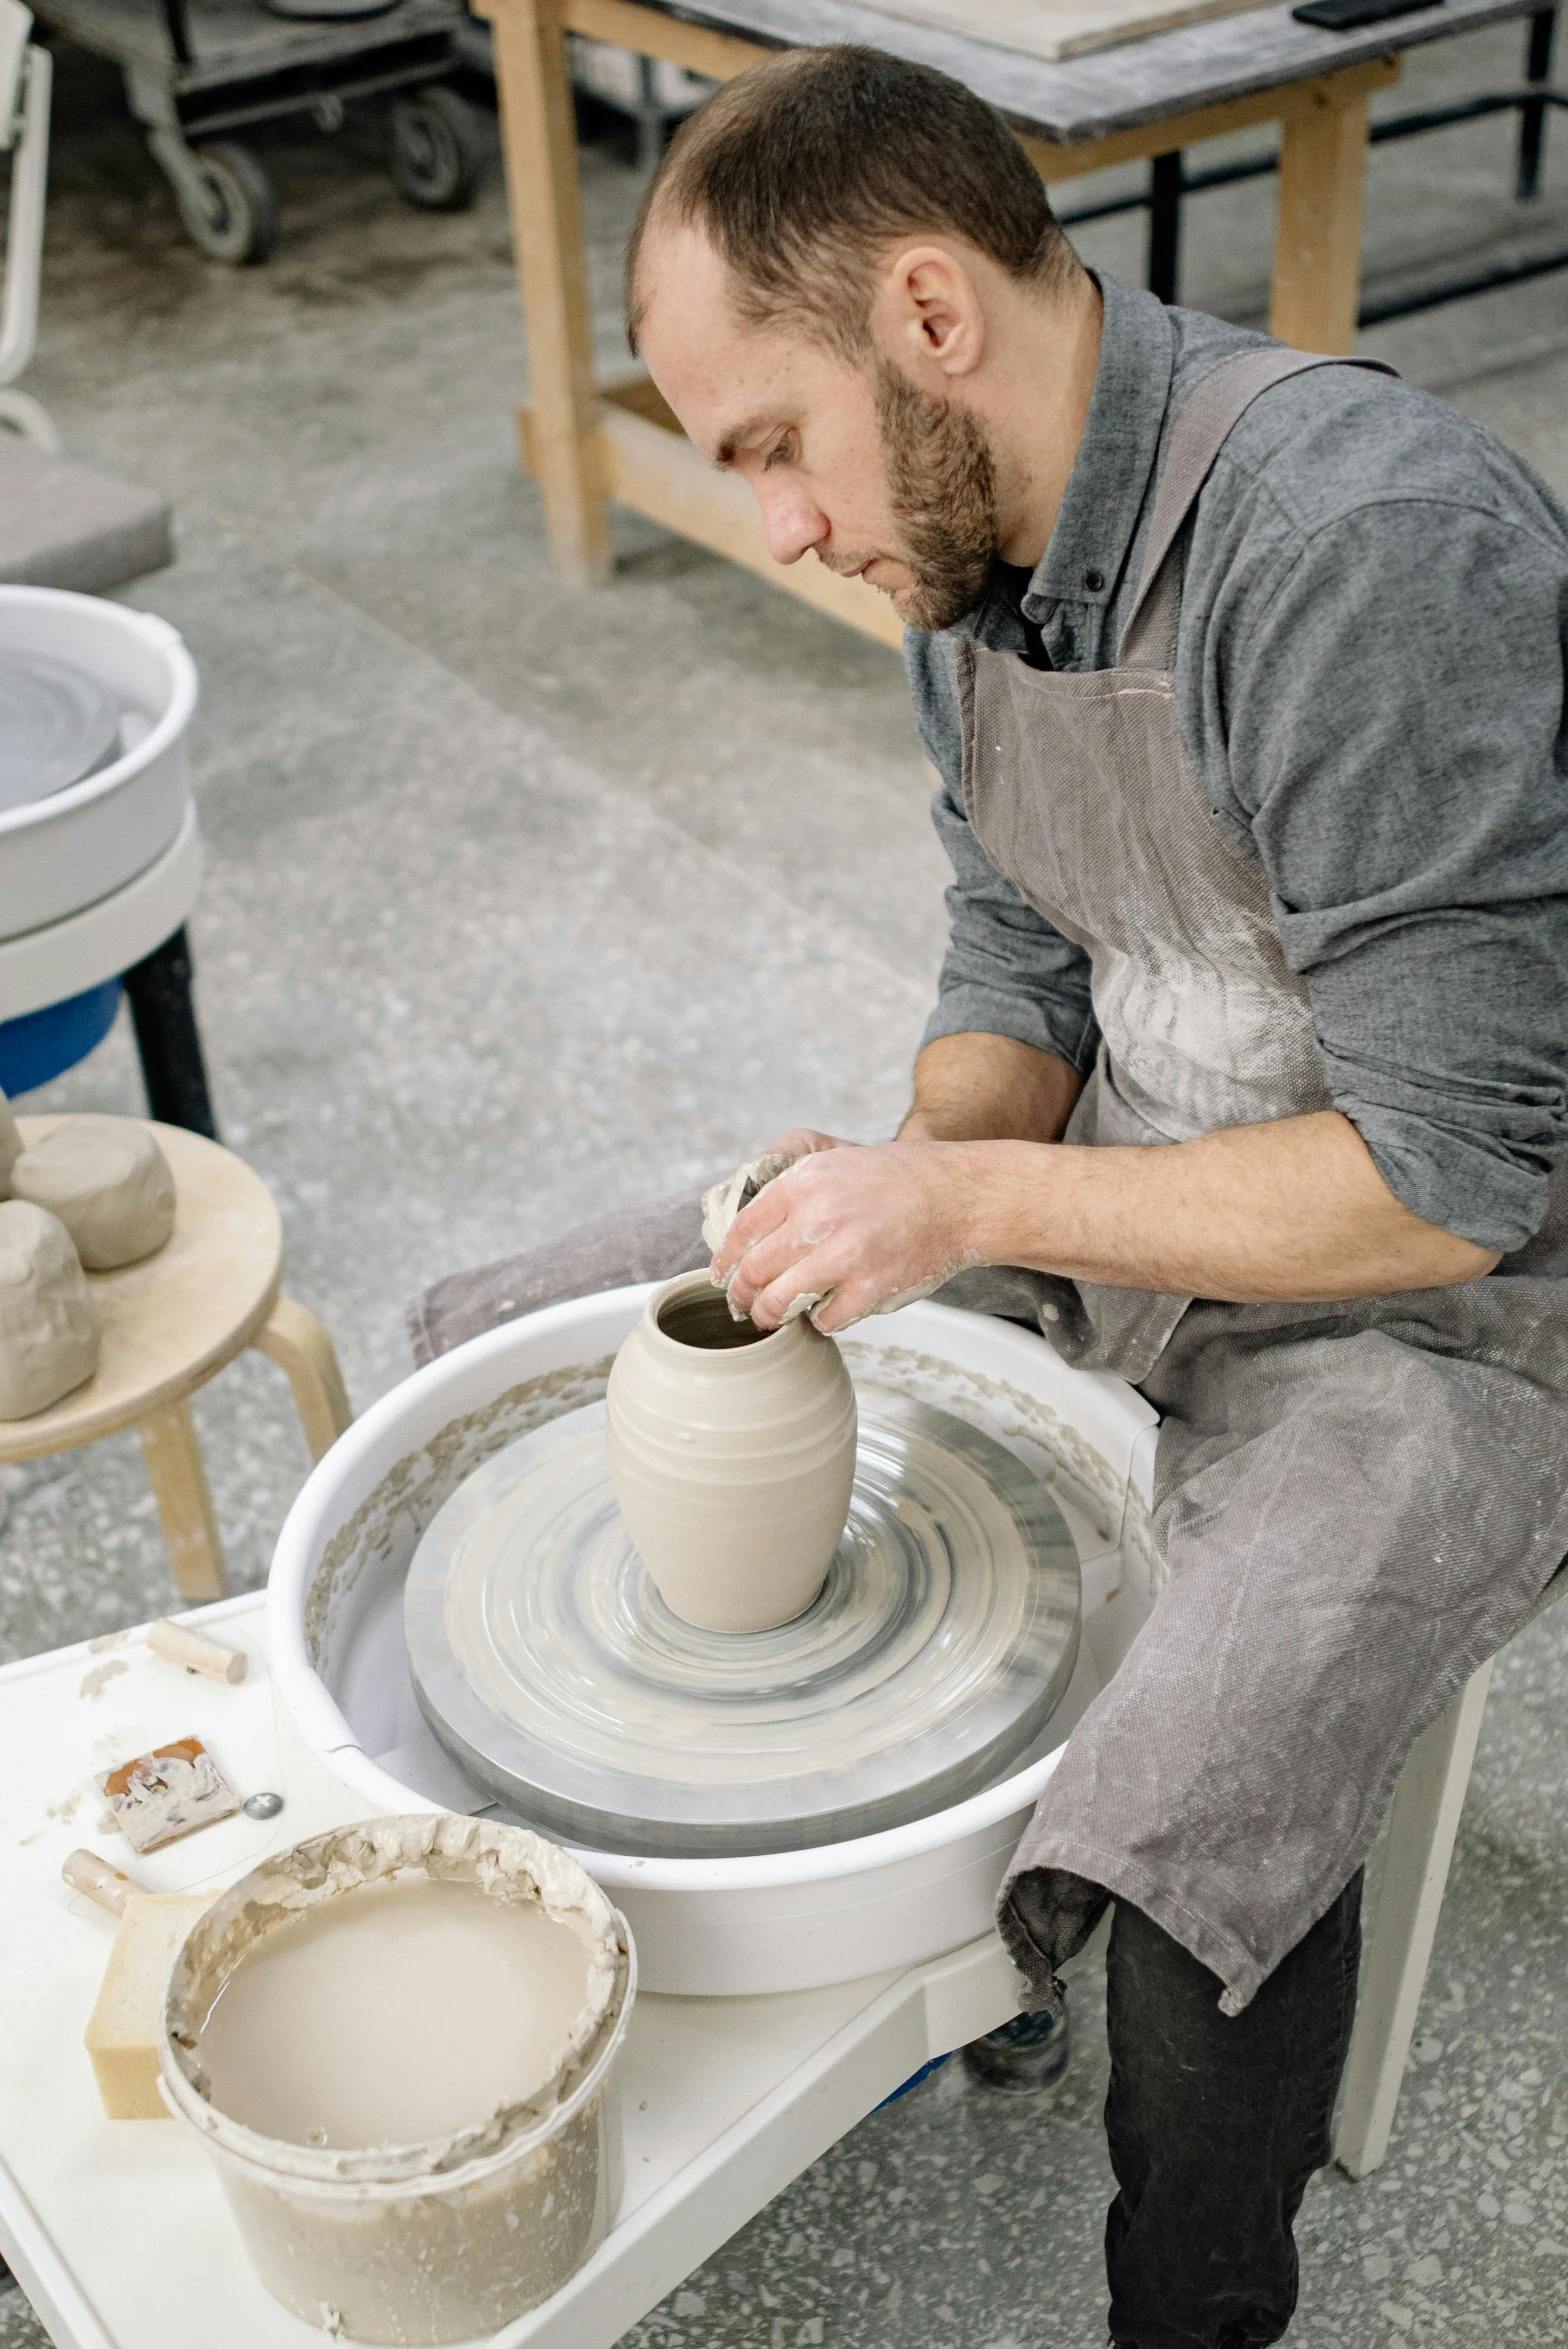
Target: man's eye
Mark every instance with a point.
(776, 455)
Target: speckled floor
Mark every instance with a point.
(521, 901)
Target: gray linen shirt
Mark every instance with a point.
(1369, 682)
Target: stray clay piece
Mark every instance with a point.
(732, 1454)
(109, 1184)
(48, 1322)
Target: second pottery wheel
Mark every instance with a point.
(546, 1663)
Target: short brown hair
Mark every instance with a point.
(804, 168)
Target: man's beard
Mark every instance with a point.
(942, 487)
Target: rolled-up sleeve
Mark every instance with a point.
(1395, 740)
(1007, 970)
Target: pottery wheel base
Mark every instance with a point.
(551, 1670)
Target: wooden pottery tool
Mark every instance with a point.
(196, 1651)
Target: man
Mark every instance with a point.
(1244, 680)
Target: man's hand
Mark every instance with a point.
(864, 1221)
(1294, 1211)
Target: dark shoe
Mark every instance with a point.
(1027, 2054)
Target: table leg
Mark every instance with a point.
(1532, 115)
(294, 1338)
(1166, 179)
(179, 1483)
(1317, 250)
(539, 138)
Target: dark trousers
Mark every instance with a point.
(1216, 2122)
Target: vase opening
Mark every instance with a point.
(707, 1323)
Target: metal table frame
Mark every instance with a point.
(589, 441)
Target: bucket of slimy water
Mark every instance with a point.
(397, 2043)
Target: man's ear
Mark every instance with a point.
(927, 315)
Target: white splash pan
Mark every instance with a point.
(65, 852)
(705, 1928)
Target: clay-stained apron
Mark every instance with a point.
(1080, 792)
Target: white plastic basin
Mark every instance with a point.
(722, 1928)
(60, 854)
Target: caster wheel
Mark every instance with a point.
(234, 216)
(1026, 2054)
(436, 150)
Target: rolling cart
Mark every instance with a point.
(196, 70)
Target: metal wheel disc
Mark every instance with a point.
(550, 1669)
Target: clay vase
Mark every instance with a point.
(732, 1454)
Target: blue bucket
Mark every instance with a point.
(43, 1044)
(913, 2081)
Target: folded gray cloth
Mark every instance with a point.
(62, 524)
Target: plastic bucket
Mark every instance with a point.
(418, 2243)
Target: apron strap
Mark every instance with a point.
(1203, 425)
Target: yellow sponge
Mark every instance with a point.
(122, 2032)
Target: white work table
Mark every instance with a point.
(118, 2231)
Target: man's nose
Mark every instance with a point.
(791, 524)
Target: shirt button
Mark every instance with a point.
(1094, 581)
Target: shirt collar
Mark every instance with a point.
(1110, 478)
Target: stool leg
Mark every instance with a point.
(179, 1482)
(1422, 1824)
(1532, 114)
(295, 1338)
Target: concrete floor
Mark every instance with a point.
(522, 900)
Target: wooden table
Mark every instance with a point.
(589, 441)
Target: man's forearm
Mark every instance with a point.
(979, 1088)
(1293, 1210)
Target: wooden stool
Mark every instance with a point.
(170, 1324)
(1423, 1824)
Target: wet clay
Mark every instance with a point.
(438, 2237)
(49, 1334)
(396, 2014)
(732, 1454)
(109, 1184)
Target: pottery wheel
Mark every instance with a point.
(548, 1666)
(57, 725)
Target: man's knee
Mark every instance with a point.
(652, 1241)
